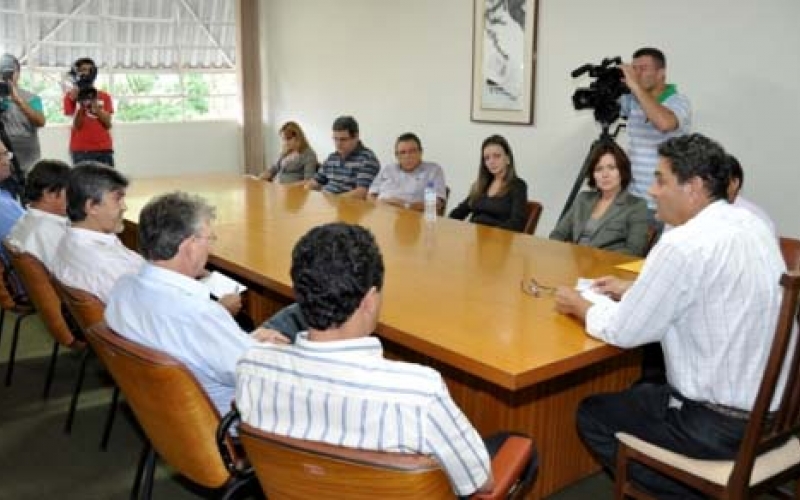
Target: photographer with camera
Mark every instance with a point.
(21, 114)
(655, 112)
(92, 109)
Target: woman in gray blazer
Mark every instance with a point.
(607, 216)
(297, 162)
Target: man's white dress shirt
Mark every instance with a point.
(709, 292)
(346, 393)
(173, 313)
(39, 233)
(93, 261)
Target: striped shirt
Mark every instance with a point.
(339, 174)
(709, 292)
(346, 393)
(644, 139)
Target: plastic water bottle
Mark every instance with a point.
(430, 203)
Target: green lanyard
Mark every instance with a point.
(670, 90)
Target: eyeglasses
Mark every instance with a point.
(8, 155)
(536, 289)
(405, 152)
(211, 238)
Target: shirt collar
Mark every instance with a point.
(62, 219)
(171, 278)
(93, 236)
(364, 347)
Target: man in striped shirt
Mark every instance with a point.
(655, 112)
(350, 170)
(334, 385)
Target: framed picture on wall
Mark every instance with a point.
(503, 60)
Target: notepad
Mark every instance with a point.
(634, 267)
(219, 284)
(584, 286)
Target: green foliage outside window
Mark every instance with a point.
(145, 97)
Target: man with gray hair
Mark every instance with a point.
(90, 256)
(165, 307)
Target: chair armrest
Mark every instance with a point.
(507, 466)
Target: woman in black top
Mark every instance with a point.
(498, 198)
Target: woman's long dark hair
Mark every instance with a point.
(481, 185)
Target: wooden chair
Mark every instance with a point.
(770, 451)
(534, 213)
(36, 280)
(8, 303)
(179, 421)
(87, 310)
(790, 248)
(290, 469)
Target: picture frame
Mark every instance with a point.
(503, 61)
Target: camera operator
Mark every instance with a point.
(655, 112)
(92, 109)
(21, 113)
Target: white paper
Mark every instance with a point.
(219, 284)
(584, 285)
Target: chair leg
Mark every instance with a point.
(112, 411)
(621, 474)
(51, 369)
(76, 392)
(236, 484)
(149, 475)
(13, 353)
(146, 462)
(2, 321)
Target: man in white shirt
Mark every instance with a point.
(40, 230)
(337, 369)
(709, 293)
(90, 256)
(403, 183)
(165, 307)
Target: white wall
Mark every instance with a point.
(162, 149)
(399, 66)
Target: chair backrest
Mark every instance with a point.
(85, 307)
(36, 280)
(173, 409)
(443, 210)
(790, 248)
(290, 468)
(534, 212)
(764, 433)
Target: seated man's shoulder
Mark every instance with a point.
(422, 378)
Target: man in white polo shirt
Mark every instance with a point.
(40, 230)
(403, 183)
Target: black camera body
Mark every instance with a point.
(8, 67)
(603, 94)
(84, 81)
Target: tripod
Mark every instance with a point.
(605, 138)
(15, 184)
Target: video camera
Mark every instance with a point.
(84, 81)
(8, 66)
(603, 94)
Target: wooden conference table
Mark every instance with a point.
(452, 300)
